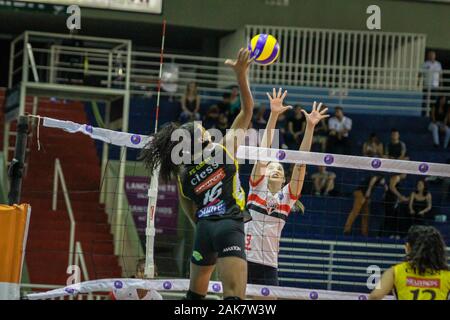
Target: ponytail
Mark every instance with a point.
(158, 153)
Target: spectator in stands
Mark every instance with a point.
(340, 127)
(432, 76)
(224, 105)
(392, 201)
(373, 147)
(190, 104)
(440, 121)
(222, 123)
(235, 102)
(396, 149)
(361, 202)
(321, 135)
(281, 126)
(420, 204)
(323, 181)
(296, 125)
(212, 117)
(259, 122)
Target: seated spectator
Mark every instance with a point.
(440, 122)
(259, 122)
(373, 147)
(420, 204)
(321, 135)
(222, 123)
(190, 104)
(361, 202)
(235, 102)
(296, 125)
(211, 117)
(224, 105)
(323, 181)
(340, 127)
(396, 149)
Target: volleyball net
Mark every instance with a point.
(102, 222)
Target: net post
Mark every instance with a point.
(150, 231)
(15, 170)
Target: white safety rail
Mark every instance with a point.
(331, 264)
(58, 177)
(348, 58)
(362, 70)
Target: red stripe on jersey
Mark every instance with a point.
(252, 197)
(255, 183)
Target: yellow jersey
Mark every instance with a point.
(408, 285)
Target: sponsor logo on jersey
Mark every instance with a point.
(213, 210)
(232, 248)
(211, 181)
(197, 178)
(423, 283)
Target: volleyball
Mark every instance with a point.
(264, 48)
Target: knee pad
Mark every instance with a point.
(232, 298)
(190, 295)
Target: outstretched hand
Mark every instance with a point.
(241, 64)
(276, 101)
(316, 115)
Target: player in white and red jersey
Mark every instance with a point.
(270, 201)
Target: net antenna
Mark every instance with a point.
(150, 231)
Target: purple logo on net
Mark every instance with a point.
(314, 295)
(167, 285)
(216, 287)
(423, 167)
(135, 139)
(265, 292)
(362, 297)
(281, 155)
(376, 163)
(329, 159)
(89, 128)
(69, 290)
(118, 284)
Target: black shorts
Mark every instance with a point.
(217, 239)
(262, 274)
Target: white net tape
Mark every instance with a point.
(343, 161)
(215, 287)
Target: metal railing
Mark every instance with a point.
(59, 177)
(327, 263)
(354, 85)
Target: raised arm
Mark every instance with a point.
(298, 172)
(233, 138)
(276, 108)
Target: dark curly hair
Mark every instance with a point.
(427, 249)
(158, 152)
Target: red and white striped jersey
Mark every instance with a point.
(269, 214)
